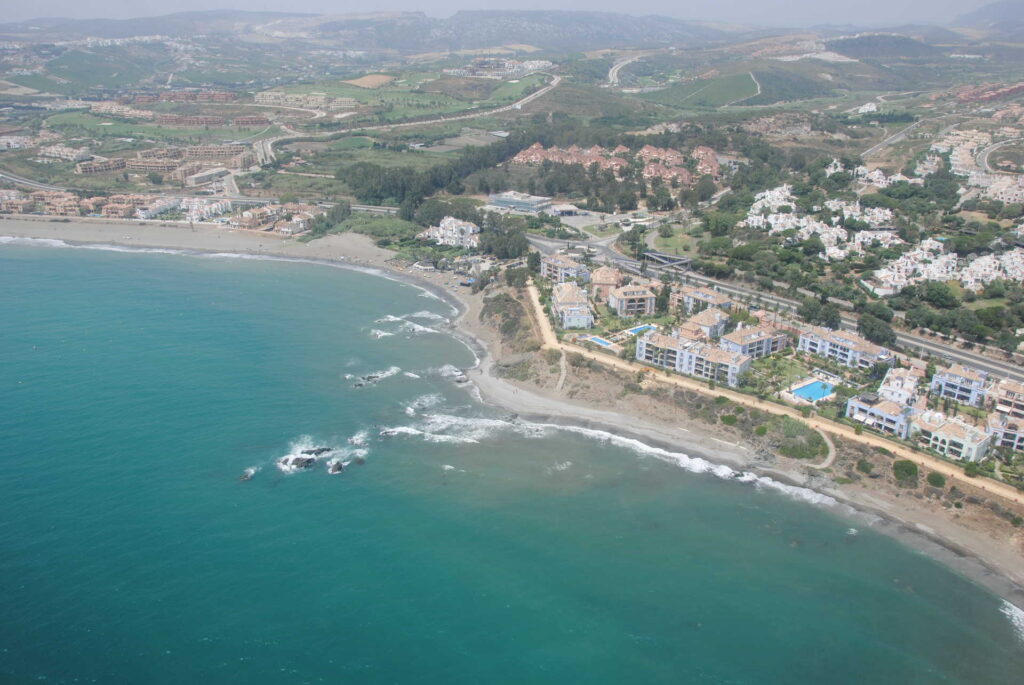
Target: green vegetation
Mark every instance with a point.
(714, 92)
(936, 480)
(905, 472)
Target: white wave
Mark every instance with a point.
(390, 318)
(423, 402)
(290, 463)
(38, 242)
(375, 377)
(424, 314)
(1016, 617)
(344, 457)
(410, 374)
(852, 532)
(560, 466)
(359, 439)
(378, 334)
(416, 329)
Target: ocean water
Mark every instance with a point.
(469, 547)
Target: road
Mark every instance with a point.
(982, 157)
(910, 341)
(900, 135)
(18, 180)
(613, 73)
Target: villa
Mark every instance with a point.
(453, 232)
(1008, 396)
(1006, 432)
(603, 280)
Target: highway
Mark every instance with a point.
(265, 148)
(18, 180)
(613, 73)
(906, 340)
(983, 154)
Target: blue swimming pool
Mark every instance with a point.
(814, 391)
(600, 341)
(637, 330)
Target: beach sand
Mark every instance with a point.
(977, 543)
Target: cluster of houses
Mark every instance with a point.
(120, 206)
(667, 164)
(962, 146)
(929, 261)
(775, 210)
(291, 218)
(899, 407)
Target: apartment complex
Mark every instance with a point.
(950, 437)
(569, 304)
(961, 384)
(754, 342)
(631, 300)
(1007, 396)
(692, 358)
(711, 322)
(883, 415)
(101, 166)
(689, 299)
(560, 268)
(843, 347)
(603, 280)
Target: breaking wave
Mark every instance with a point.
(423, 402)
(378, 334)
(445, 428)
(1016, 617)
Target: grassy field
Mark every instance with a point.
(328, 161)
(85, 124)
(714, 92)
(680, 243)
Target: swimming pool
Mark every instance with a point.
(814, 391)
(637, 330)
(600, 341)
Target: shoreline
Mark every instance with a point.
(357, 252)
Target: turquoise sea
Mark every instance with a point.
(135, 389)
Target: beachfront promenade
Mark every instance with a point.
(550, 340)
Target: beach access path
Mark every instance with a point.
(951, 471)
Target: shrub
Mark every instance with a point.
(761, 431)
(904, 470)
(972, 469)
(729, 420)
(936, 480)
(864, 466)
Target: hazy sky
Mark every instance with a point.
(764, 12)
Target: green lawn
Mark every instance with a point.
(705, 92)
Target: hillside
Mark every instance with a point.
(1003, 20)
(179, 24)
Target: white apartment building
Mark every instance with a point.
(453, 232)
(949, 436)
(631, 300)
(689, 299)
(692, 358)
(961, 384)
(845, 347)
(754, 342)
(569, 304)
(882, 415)
(560, 268)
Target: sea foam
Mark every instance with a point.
(1016, 617)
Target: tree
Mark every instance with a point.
(875, 330)
(905, 471)
(533, 262)
(155, 177)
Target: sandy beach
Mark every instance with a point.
(975, 546)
